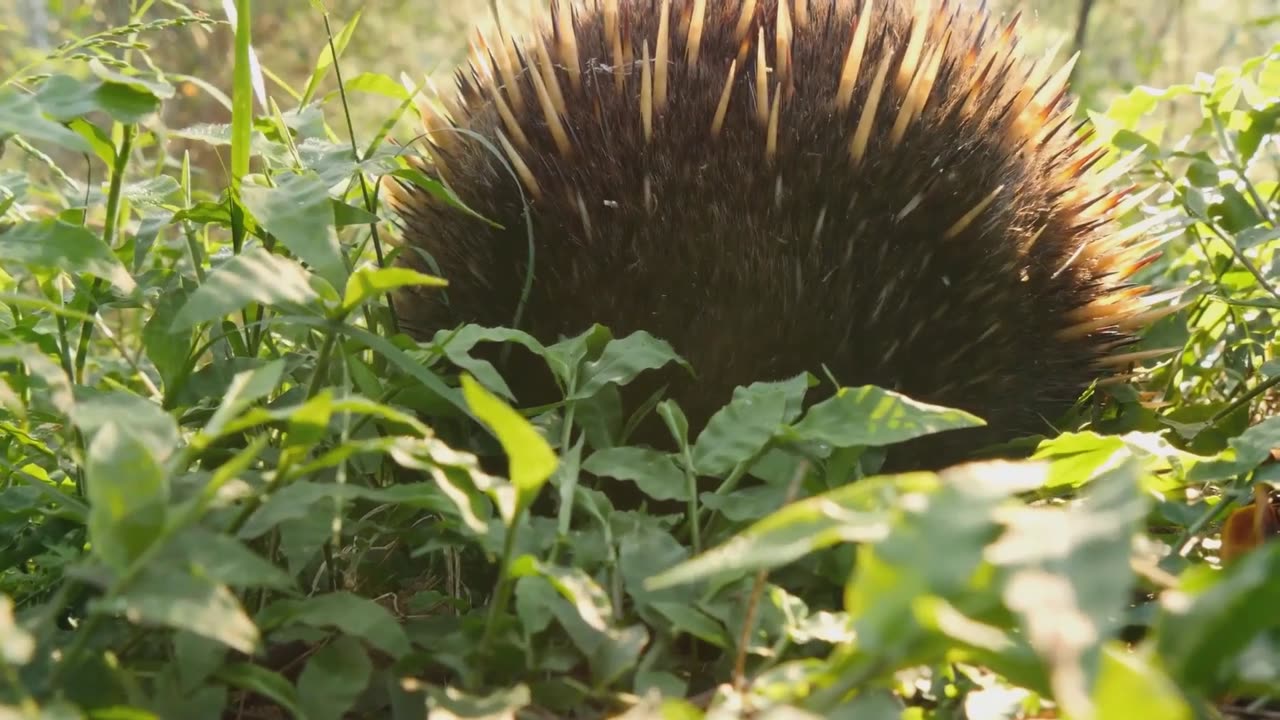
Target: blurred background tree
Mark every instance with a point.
(1123, 43)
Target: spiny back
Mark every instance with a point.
(884, 189)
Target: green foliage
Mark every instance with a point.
(230, 482)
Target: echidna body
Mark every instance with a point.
(884, 190)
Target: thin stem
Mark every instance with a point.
(364, 185)
(1244, 400)
(110, 226)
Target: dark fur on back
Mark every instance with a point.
(758, 267)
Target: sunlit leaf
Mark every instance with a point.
(531, 459)
(369, 282)
(873, 416)
(171, 598)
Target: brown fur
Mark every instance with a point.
(758, 268)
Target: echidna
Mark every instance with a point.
(885, 190)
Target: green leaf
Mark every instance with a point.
(246, 388)
(148, 422)
(531, 459)
(297, 212)
(376, 84)
(128, 495)
(65, 97)
(57, 245)
(166, 348)
(438, 191)
(853, 513)
(347, 613)
(226, 560)
(586, 614)
(623, 360)
(20, 115)
(1215, 614)
(166, 596)
(152, 85)
(334, 678)
(1132, 685)
(656, 473)
(254, 276)
(266, 683)
(370, 282)
(872, 416)
(1247, 452)
(740, 430)
(458, 344)
(1069, 570)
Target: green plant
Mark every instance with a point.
(230, 484)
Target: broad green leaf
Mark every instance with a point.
(152, 84)
(1068, 571)
(740, 430)
(254, 276)
(853, 513)
(644, 551)
(746, 504)
(344, 611)
(623, 360)
(586, 596)
(656, 473)
(20, 115)
(148, 423)
(128, 495)
(297, 212)
(58, 245)
(437, 190)
(367, 283)
(197, 657)
(1247, 452)
(1208, 621)
(266, 683)
(375, 84)
(345, 214)
(1132, 685)
(58, 393)
(565, 357)
(170, 597)
(153, 191)
(458, 344)
(872, 416)
(65, 97)
(166, 348)
(226, 560)
(333, 679)
(587, 616)
(531, 459)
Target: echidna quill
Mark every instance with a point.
(885, 190)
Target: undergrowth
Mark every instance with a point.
(232, 488)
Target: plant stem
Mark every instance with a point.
(109, 229)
